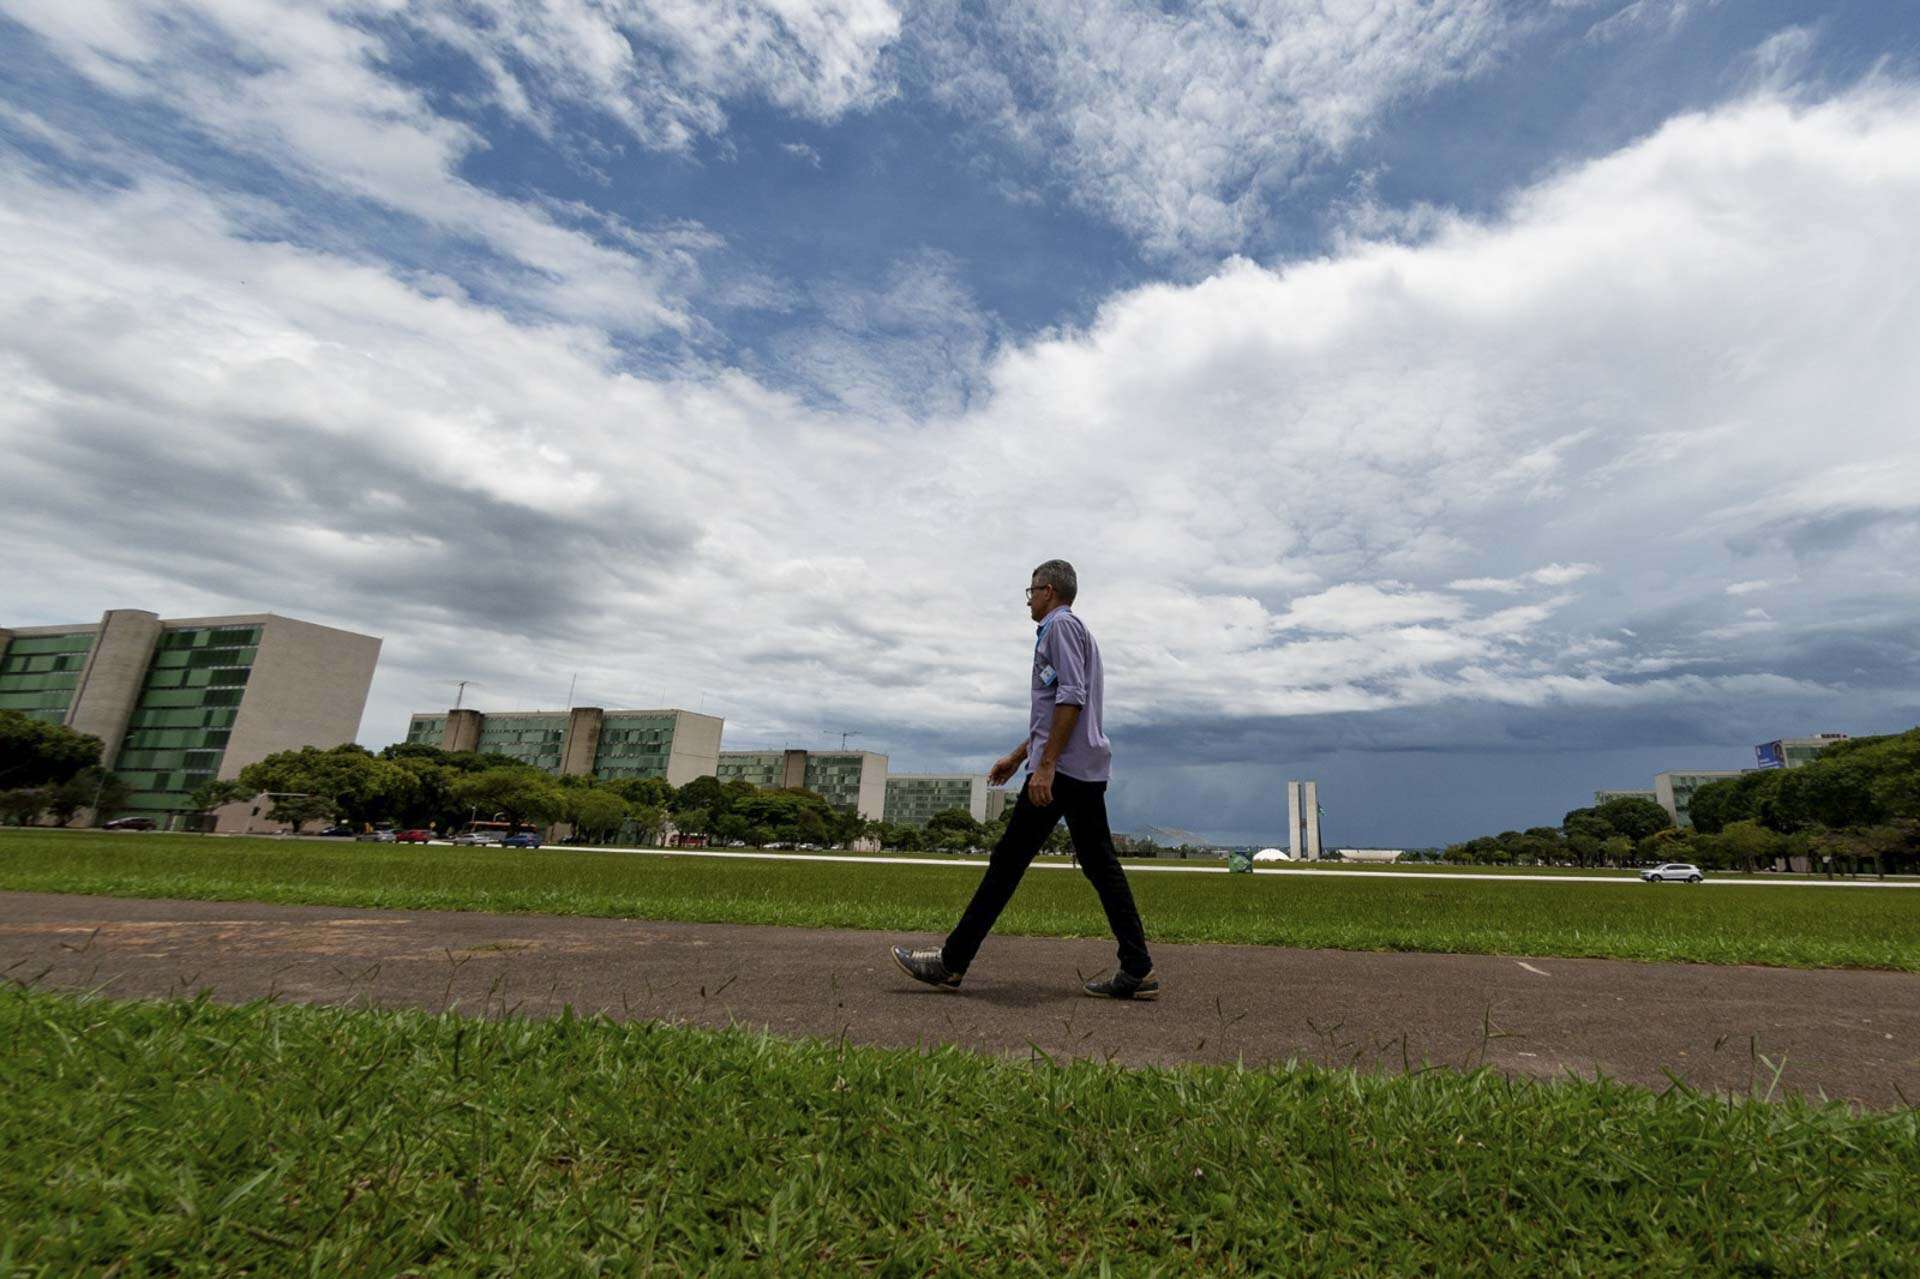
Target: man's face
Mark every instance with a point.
(1040, 600)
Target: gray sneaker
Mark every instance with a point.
(927, 966)
(1124, 985)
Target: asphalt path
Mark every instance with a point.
(1741, 1031)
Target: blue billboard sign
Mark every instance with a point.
(1771, 755)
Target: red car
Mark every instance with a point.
(412, 836)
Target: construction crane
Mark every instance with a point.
(462, 685)
(828, 732)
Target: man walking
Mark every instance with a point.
(1068, 762)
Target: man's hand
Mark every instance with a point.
(1004, 767)
(1040, 784)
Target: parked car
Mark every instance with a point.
(476, 839)
(129, 823)
(415, 836)
(376, 837)
(525, 839)
(1681, 872)
(339, 830)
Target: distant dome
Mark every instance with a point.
(1271, 855)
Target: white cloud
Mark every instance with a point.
(307, 89)
(1179, 124)
(666, 69)
(1550, 575)
(1359, 606)
(1240, 468)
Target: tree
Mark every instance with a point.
(297, 810)
(520, 795)
(597, 812)
(93, 789)
(957, 823)
(701, 792)
(1633, 817)
(691, 821)
(1749, 845)
(36, 753)
(654, 792)
(647, 821)
(212, 794)
(902, 837)
(731, 828)
(363, 788)
(23, 805)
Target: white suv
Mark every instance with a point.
(1681, 871)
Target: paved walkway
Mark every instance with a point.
(1854, 1035)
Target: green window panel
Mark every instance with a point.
(76, 643)
(234, 636)
(34, 701)
(168, 658)
(170, 697)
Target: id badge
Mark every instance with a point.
(1048, 676)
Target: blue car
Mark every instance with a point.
(522, 840)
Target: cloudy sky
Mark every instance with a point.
(1464, 403)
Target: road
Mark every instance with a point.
(1743, 1031)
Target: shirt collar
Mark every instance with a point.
(1053, 615)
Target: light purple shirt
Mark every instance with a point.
(1066, 672)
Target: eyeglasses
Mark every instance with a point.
(1031, 590)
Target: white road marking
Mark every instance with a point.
(1530, 968)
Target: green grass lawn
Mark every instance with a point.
(1800, 927)
(187, 1137)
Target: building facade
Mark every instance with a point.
(674, 745)
(1792, 752)
(912, 798)
(1674, 792)
(1602, 796)
(1303, 820)
(851, 781)
(183, 701)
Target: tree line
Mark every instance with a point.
(1855, 806)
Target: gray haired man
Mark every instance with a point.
(1068, 763)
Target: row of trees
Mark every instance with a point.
(414, 785)
(1609, 834)
(1856, 806)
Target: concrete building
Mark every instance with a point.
(852, 781)
(675, 745)
(1792, 752)
(1674, 792)
(999, 800)
(181, 701)
(1380, 856)
(1303, 820)
(912, 798)
(1602, 796)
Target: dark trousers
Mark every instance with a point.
(1084, 806)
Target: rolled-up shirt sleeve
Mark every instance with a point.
(1069, 645)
